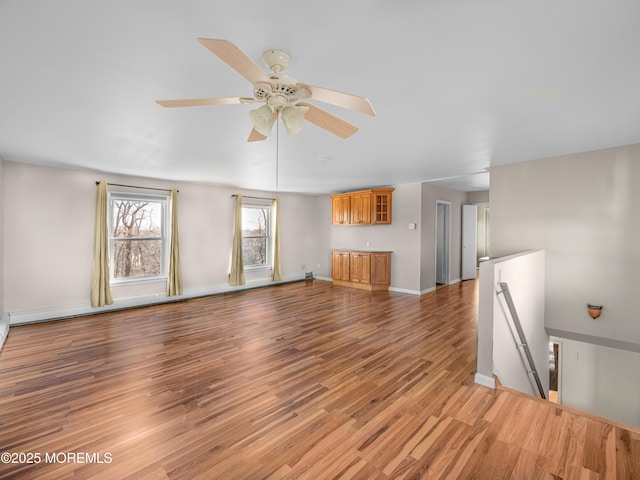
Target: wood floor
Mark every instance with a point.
(304, 380)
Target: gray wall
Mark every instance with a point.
(2, 205)
(430, 194)
(601, 380)
(478, 197)
(49, 233)
(405, 243)
(583, 210)
(49, 236)
(413, 259)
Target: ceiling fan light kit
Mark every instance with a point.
(263, 119)
(292, 116)
(279, 93)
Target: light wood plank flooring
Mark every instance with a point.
(305, 380)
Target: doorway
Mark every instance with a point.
(483, 232)
(443, 241)
(469, 241)
(554, 371)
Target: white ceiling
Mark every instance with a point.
(457, 86)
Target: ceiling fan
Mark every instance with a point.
(279, 93)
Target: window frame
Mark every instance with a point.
(163, 200)
(260, 204)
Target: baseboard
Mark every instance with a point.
(485, 381)
(70, 311)
(4, 328)
(391, 289)
(427, 290)
(455, 280)
(404, 290)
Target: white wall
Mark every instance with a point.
(583, 210)
(498, 350)
(49, 236)
(602, 380)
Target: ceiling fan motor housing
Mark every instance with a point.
(281, 92)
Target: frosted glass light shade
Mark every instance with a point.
(292, 117)
(262, 119)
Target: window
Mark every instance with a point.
(256, 235)
(138, 240)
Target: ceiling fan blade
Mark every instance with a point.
(199, 102)
(230, 54)
(255, 136)
(326, 120)
(344, 100)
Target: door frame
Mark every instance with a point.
(469, 239)
(446, 245)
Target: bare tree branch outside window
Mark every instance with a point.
(137, 238)
(255, 236)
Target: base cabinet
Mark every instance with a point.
(340, 266)
(365, 270)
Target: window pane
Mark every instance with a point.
(132, 218)
(254, 251)
(136, 258)
(254, 221)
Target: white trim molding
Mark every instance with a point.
(404, 290)
(4, 328)
(485, 381)
(70, 311)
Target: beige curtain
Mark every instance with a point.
(236, 276)
(277, 268)
(100, 287)
(174, 281)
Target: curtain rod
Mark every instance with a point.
(247, 196)
(135, 186)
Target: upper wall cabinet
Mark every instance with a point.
(341, 209)
(364, 207)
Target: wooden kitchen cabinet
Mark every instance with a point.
(341, 266)
(365, 270)
(360, 266)
(361, 209)
(380, 270)
(381, 207)
(364, 207)
(341, 209)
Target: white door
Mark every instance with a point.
(469, 241)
